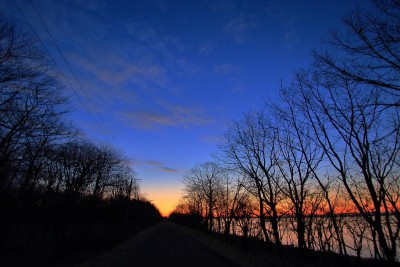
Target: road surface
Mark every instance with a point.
(163, 245)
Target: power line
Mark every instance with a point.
(49, 54)
(101, 127)
(74, 74)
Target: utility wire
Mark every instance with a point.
(101, 127)
(74, 74)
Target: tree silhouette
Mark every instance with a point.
(58, 192)
(368, 52)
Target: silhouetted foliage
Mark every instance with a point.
(193, 220)
(202, 184)
(60, 196)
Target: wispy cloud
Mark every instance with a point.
(187, 67)
(211, 139)
(238, 28)
(151, 39)
(220, 5)
(154, 165)
(140, 75)
(225, 69)
(169, 170)
(291, 39)
(166, 115)
(148, 120)
(207, 48)
(91, 4)
(238, 89)
(131, 68)
(288, 19)
(126, 70)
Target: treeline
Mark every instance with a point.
(60, 194)
(328, 147)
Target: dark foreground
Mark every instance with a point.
(162, 245)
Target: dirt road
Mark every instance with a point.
(163, 245)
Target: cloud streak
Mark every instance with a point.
(238, 28)
(126, 67)
(288, 19)
(154, 164)
(166, 115)
(225, 69)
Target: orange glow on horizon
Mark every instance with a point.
(165, 199)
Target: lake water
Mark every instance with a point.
(356, 233)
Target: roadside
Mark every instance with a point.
(165, 244)
(288, 256)
(221, 247)
(170, 244)
(238, 256)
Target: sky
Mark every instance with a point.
(162, 80)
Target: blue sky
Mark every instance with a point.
(162, 79)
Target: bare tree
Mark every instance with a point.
(244, 212)
(368, 53)
(361, 141)
(110, 165)
(121, 182)
(205, 181)
(297, 160)
(350, 96)
(250, 147)
(333, 209)
(230, 198)
(31, 104)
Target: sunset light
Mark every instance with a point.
(162, 81)
(169, 132)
